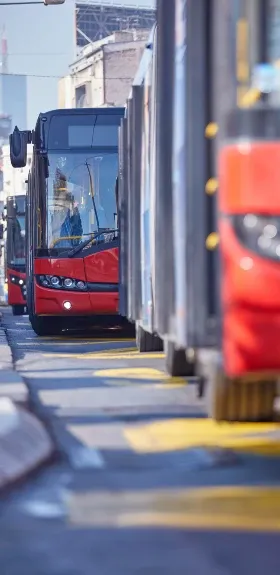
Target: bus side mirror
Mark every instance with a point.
(1, 231)
(18, 147)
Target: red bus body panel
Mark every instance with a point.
(15, 296)
(250, 289)
(101, 267)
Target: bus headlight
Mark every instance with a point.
(55, 281)
(17, 281)
(260, 234)
(61, 283)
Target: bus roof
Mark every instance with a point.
(79, 119)
(80, 112)
(15, 197)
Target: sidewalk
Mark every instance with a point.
(24, 442)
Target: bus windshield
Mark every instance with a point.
(16, 241)
(80, 195)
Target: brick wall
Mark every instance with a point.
(121, 63)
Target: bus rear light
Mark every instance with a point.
(259, 233)
(61, 283)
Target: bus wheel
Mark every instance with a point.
(176, 362)
(45, 325)
(146, 341)
(235, 400)
(18, 309)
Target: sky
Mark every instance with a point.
(41, 45)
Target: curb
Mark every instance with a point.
(24, 442)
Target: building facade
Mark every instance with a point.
(104, 71)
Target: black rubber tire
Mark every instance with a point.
(129, 329)
(234, 400)
(176, 362)
(147, 342)
(45, 325)
(18, 309)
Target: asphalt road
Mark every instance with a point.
(143, 483)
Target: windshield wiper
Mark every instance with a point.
(92, 195)
(93, 237)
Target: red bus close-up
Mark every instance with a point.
(15, 253)
(71, 224)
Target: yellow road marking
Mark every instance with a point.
(172, 383)
(104, 353)
(74, 343)
(114, 354)
(120, 350)
(255, 509)
(177, 434)
(145, 373)
(101, 353)
(87, 341)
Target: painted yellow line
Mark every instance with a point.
(72, 343)
(255, 509)
(178, 434)
(99, 354)
(82, 340)
(107, 354)
(130, 355)
(172, 383)
(145, 373)
(120, 351)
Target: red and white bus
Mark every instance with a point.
(15, 253)
(72, 236)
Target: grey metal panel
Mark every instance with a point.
(164, 276)
(179, 173)
(197, 174)
(135, 280)
(144, 62)
(223, 97)
(122, 211)
(129, 223)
